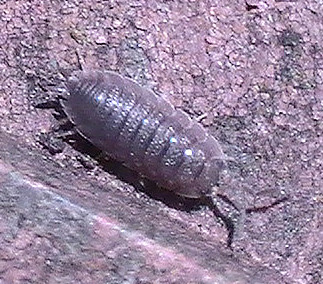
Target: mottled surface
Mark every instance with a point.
(250, 70)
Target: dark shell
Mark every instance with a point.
(144, 131)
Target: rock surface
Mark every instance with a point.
(252, 71)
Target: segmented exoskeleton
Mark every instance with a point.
(144, 131)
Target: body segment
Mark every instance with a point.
(144, 131)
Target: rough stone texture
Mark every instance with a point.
(250, 70)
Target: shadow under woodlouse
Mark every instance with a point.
(151, 189)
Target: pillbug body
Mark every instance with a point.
(144, 131)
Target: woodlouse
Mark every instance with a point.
(144, 131)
